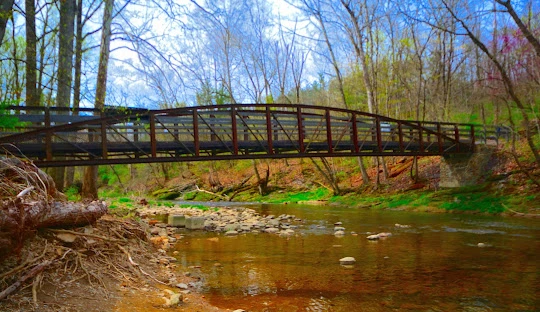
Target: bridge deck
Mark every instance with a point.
(65, 137)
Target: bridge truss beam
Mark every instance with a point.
(63, 137)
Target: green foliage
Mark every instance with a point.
(72, 193)
(7, 120)
(124, 200)
(108, 176)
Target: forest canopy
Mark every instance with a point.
(443, 60)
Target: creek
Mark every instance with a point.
(436, 264)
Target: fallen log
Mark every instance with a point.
(19, 219)
(29, 201)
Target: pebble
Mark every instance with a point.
(481, 245)
(339, 233)
(403, 226)
(182, 286)
(271, 230)
(347, 261)
(231, 233)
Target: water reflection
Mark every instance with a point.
(435, 265)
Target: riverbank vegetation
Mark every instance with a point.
(503, 189)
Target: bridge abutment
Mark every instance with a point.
(459, 170)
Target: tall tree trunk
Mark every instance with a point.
(6, 9)
(89, 188)
(70, 171)
(65, 67)
(31, 78)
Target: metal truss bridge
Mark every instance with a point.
(67, 137)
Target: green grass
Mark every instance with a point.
(480, 202)
(290, 197)
(196, 206)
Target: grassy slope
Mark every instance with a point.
(298, 181)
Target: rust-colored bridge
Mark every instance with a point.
(66, 137)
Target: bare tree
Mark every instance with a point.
(507, 81)
(32, 98)
(89, 189)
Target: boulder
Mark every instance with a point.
(195, 223)
(177, 220)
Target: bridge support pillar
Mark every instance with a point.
(465, 170)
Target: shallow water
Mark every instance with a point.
(435, 265)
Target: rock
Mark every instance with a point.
(339, 233)
(174, 298)
(273, 222)
(163, 233)
(384, 234)
(239, 310)
(338, 223)
(403, 226)
(164, 261)
(66, 237)
(339, 228)
(373, 237)
(245, 227)
(161, 225)
(271, 230)
(195, 223)
(231, 227)
(154, 231)
(481, 245)
(347, 261)
(231, 233)
(182, 286)
(177, 220)
(217, 265)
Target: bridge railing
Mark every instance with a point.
(226, 132)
